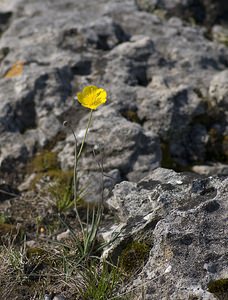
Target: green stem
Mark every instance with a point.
(76, 159)
(84, 138)
(75, 180)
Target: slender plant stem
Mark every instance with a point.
(84, 138)
(91, 238)
(77, 155)
(75, 180)
(89, 232)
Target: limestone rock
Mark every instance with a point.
(105, 138)
(219, 88)
(220, 169)
(183, 219)
(157, 73)
(167, 106)
(206, 12)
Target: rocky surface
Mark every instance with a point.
(207, 12)
(164, 65)
(183, 217)
(163, 75)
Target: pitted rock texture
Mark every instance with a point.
(207, 12)
(183, 218)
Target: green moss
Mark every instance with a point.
(133, 257)
(7, 229)
(222, 38)
(219, 288)
(161, 13)
(60, 186)
(44, 162)
(2, 218)
(35, 252)
(192, 297)
(131, 116)
(59, 176)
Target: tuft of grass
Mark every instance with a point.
(100, 281)
(28, 271)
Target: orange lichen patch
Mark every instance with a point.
(15, 70)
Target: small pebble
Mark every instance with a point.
(59, 297)
(63, 235)
(47, 297)
(31, 243)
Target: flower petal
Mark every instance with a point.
(92, 97)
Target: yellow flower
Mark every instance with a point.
(92, 97)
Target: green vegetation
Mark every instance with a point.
(100, 281)
(137, 252)
(221, 37)
(55, 267)
(131, 116)
(44, 162)
(3, 218)
(60, 186)
(219, 288)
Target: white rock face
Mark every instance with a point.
(185, 226)
(218, 89)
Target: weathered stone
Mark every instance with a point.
(151, 67)
(167, 105)
(220, 34)
(206, 12)
(63, 235)
(220, 169)
(96, 187)
(218, 89)
(183, 219)
(106, 135)
(59, 297)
